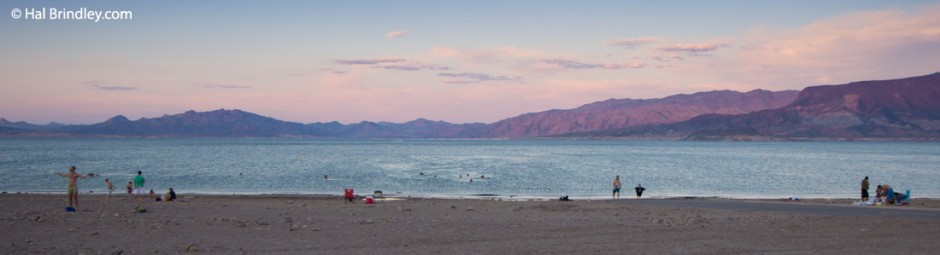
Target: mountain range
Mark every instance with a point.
(620, 113)
(900, 109)
(905, 109)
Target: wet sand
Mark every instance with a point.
(284, 224)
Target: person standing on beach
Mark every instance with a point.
(139, 183)
(639, 190)
(130, 190)
(110, 187)
(73, 185)
(865, 189)
(616, 194)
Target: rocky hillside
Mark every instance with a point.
(907, 108)
(620, 113)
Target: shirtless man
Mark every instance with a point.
(73, 185)
(110, 187)
(616, 193)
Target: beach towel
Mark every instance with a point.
(869, 202)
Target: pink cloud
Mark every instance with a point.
(396, 34)
(368, 61)
(667, 57)
(466, 78)
(486, 55)
(392, 64)
(411, 66)
(223, 86)
(692, 48)
(334, 71)
(857, 46)
(571, 64)
(630, 42)
(111, 88)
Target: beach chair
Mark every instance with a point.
(905, 199)
(378, 195)
(348, 195)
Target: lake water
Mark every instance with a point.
(518, 168)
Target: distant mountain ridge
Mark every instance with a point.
(238, 123)
(612, 113)
(224, 123)
(906, 108)
(27, 126)
(620, 113)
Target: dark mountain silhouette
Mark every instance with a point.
(12, 129)
(620, 113)
(27, 126)
(906, 108)
(237, 123)
(435, 129)
(218, 123)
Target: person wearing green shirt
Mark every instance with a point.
(139, 183)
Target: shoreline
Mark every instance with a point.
(920, 203)
(38, 134)
(499, 197)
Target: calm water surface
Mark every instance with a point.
(524, 168)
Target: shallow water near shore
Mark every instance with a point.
(445, 168)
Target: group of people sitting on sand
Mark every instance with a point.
(169, 196)
(137, 184)
(884, 194)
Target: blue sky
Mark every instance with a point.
(458, 61)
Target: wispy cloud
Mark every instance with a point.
(692, 48)
(396, 34)
(368, 61)
(99, 85)
(333, 71)
(223, 86)
(412, 66)
(487, 55)
(667, 57)
(571, 64)
(392, 64)
(629, 42)
(850, 47)
(467, 78)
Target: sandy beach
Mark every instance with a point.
(286, 224)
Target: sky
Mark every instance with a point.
(456, 61)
